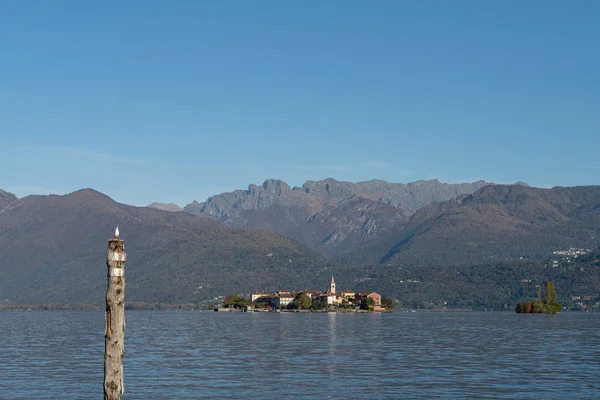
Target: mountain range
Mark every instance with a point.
(369, 234)
(329, 216)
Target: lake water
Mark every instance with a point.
(194, 355)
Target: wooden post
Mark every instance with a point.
(114, 337)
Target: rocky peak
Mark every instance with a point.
(276, 185)
(329, 190)
(270, 187)
(430, 182)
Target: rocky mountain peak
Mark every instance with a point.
(424, 182)
(276, 186)
(329, 190)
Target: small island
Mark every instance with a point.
(548, 306)
(308, 301)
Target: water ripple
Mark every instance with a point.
(191, 355)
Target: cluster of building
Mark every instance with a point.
(573, 252)
(585, 298)
(330, 298)
(586, 302)
(567, 256)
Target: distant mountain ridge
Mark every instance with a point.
(293, 211)
(6, 198)
(315, 195)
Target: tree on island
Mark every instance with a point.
(318, 305)
(550, 293)
(301, 301)
(548, 306)
(260, 304)
(235, 301)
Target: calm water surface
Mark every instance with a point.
(193, 355)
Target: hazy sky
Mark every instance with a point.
(178, 100)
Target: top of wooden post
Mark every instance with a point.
(116, 245)
(115, 251)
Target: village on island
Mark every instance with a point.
(307, 301)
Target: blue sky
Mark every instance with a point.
(176, 101)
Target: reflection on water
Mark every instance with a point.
(189, 355)
(331, 363)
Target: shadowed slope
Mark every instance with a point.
(54, 251)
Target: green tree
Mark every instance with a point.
(236, 301)
(302, 301)
(539, 307)
(550, 293)
(317, 305)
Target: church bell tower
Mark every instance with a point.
(332, 288)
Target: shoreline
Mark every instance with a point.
(198, 308)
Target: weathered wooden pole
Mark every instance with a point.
(114, 337)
